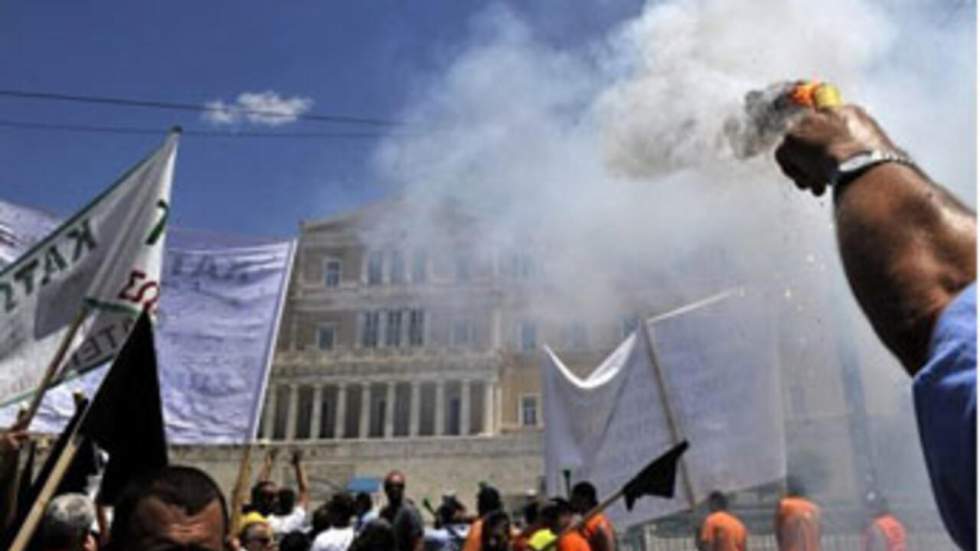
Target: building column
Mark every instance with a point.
(269, 416)
(464, 407)
(495, 323)
(415, 409)
(317, 412)
(440, 427)
(341, 418)
(365, 420)
(293, 409)
(488, 427)
(390, 411)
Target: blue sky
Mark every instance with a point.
(351, 58)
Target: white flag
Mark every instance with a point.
(717, 388)
(105, 259)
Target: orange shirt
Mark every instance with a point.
(573, 541)
(722, 531)
(885, 533)
(797, 525)
(473, 542)
(592, 534)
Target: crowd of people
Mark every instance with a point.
(909, 250)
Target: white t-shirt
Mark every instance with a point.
(334, 539)
(284, 524)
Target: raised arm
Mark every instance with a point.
(302, 484)
(908, 246)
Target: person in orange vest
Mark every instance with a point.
(884, 532)
(721, 530)
(797, 523)
(598, 530)
(487, 501)
(573, 540)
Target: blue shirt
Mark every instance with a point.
(945, 391)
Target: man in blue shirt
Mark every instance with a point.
(909, 250)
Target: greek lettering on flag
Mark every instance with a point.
(106, 259)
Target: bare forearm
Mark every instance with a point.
(908, 248)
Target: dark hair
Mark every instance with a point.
(186, 487)
(341, 507)
(531, 512)
(321, 520)
(487, 500)
(295, 541)
(491, 521)
(376, 535)
(795, 486)
(257, 490)
(717, 501)
(363, 499)
(586, 491)
(287, 500)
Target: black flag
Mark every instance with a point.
(656, 479)
(125, 417)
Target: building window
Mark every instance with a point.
(393, 329)
(528, 335)
(375, 267)
(369, 334)
(332, 271)
(416, 327)
(397, 275)
(529, 410)
(576, 336)
(462, 332)
(326, 337)
(304, 413)
(420, 270)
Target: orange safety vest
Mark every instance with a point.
(891, 530)
(722, 531)
(798, 525)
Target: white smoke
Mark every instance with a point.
(605, 159)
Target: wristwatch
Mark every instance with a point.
(857, 164)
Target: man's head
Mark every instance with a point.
(717, 501)
(487, 500)
(877, 505)
(341, 507)
(557, 514)
(495, 535)
(285, 501)
(265, 496)
(362, 503)
(395, 487)
(532, 513)
(795, 486)
(583, 497)
(256, 536)
(177, 505)
(321, 519)
(67, 524)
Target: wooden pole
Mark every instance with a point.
(47, 492)
(49, 375)
(675, 433)
(238, 494)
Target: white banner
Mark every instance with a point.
(107, 258)
(215, 331)
(720, 385)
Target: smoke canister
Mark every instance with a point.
(826, 95)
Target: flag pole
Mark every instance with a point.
(47, 492)
(52, 371)
(675, 435)
(244, 475)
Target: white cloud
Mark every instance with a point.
(261, 108)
